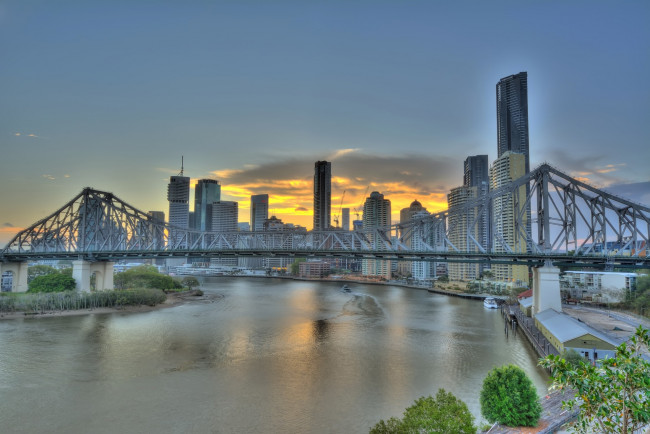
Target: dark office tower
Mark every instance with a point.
(259, 211)
(322, 194)
(206, 192)
(512, 115)
(476, 171)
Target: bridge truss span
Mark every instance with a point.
(569, 221)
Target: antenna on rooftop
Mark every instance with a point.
(181, 174)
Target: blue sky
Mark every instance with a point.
(110, 94)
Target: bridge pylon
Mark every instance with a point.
(82, 270)
(19, 271)
(546, 288)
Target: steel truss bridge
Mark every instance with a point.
(543, 216)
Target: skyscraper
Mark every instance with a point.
(476, 171)
(206, 192)
(376, 214)
(405, 216)
(506, 238)
(477, 174)
(345, 219)
(322, 194)
(512, 116)
(460, 223)
(178, 195)
(225, 216)
(259, 211)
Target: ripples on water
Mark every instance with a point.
(268, 356)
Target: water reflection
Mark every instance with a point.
(269, 356)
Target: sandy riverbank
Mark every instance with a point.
(173, 299)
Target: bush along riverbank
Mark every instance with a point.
(45, 302)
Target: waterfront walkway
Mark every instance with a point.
(535, 337)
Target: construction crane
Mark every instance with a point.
(336, 216)
(359, 209)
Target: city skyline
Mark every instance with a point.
(382, 92)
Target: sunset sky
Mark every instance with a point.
(110, 94)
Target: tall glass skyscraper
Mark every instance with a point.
(259, 211)
(178, 195)
(206, 193)
(512, 115)
(322, 194)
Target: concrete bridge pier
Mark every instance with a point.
(546, 289)
(19, 271)
(103, 271)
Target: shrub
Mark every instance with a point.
(443, 414)
(509, 397)
(54, 282)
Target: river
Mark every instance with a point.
(264, 355)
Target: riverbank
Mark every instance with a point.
(173, 299)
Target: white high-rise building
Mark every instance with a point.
(508, 167)
(458, 227)
(376, 214)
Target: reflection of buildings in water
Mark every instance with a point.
(320, 330)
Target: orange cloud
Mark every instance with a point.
(7, 233)
(289, 184)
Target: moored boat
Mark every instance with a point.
(490, 303)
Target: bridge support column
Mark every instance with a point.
(103, 275)
(81, 275)
(19, 271)
(546, 289)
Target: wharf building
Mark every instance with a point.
(509, 167)
(322, 195)
(460, 225)
(376, 214)
(225, 216)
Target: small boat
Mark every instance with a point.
(490, 303)
(346, 288)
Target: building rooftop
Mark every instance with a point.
(565, 328)
(526, 302)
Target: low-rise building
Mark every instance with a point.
(566, 333)
(314, 269)
(601, 286)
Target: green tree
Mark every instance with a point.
(144, 276)
(614, 396)
(443, 279)
(55, 282)
(190, 281)
(443, 414)
(295, 266)
(509, 397)
(39, 270)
